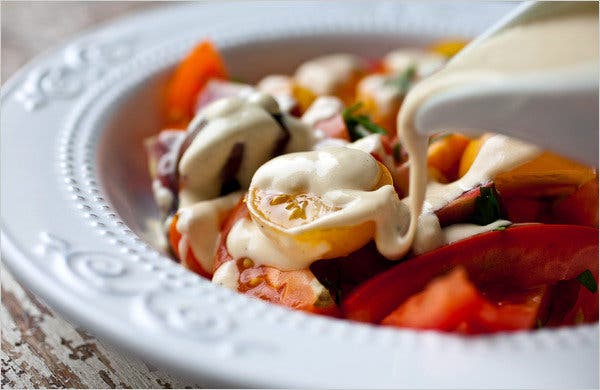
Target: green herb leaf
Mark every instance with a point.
(587, 279)
(360, 125)
(487, 207)
(404, 80)
(349, 111)
(334, 286)
(500, 228)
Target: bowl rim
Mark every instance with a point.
(76, 135)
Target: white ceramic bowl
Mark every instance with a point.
(77, 213)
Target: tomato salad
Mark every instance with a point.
(293, 191)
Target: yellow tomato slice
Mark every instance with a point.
(470, 153)
(445, 153)
(547, 175)
(276, 213)
(448, 48)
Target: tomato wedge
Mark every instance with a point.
(201, 64)
(334, 127)
(443, 305)
(517, 258)
(188, 259)
(294, 289)
(452, 303)
(581, 207)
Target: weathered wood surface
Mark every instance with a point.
(39, 348)
(42, 350)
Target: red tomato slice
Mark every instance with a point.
(443, 305)
(201, 64)
(580, 208)
(188, 260)
(334, 127)
(287, 288)
(453, 303)
(520, 257)
(460, 209)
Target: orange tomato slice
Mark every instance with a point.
(275, 213)
(201, 64)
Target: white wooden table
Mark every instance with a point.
(39, 348)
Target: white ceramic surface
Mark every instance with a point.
(76, 210)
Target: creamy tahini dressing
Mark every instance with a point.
(426, 63)
(543, 46)
(387, 96)
(163, 196)
(345, 177)
(324, 107)
(497, 154)
(233, 121)
(549, 44)
(227, 275)
(430, 235)
(325, 75)
(200, 227)
(247, 240)
(281, 88)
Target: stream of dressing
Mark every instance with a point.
(548, 45)
(344, 179)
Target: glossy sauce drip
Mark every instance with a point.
(200, 227)
(344, 177)
(544, 46)
(325, 75)
(230, 122)
(401, 60)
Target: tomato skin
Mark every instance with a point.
(445, 154)
(288, 288)
(240, 211)
(460, 209)
(197, 68)
(189, 260)
(452, 303)
(442, 305)
(334, 127)
(580, 208)
(519, 258)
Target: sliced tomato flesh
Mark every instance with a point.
(452, 303)
(443, 305)
(187, 259)
(292, 289)
(519, 258)
(197, 68)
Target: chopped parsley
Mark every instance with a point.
(404, 81)
(487, 206)
(500, 228)
(586, 278)
(360, 125)
(334, 286)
